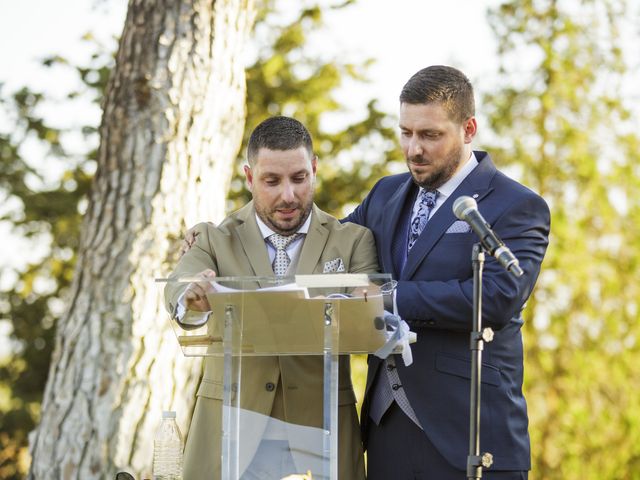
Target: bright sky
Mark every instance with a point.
(411, 35)
(403, 39)
(402, 36)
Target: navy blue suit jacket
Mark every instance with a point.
(435, 297)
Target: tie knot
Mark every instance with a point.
(281, 242)
(428, 198)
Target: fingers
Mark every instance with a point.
(188, 241)
(207, 275)
(195, 298)
(196, 290)
(195, 295)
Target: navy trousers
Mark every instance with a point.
(398, 449)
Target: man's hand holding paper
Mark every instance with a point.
(195, 296)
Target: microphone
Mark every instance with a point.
(466, 208)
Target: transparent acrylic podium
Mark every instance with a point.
(302, 327)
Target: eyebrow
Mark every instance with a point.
(423, 130)
(274, 174)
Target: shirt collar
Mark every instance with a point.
(267, 232)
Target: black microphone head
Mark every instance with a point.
(463, 205)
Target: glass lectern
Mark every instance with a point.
(276, 353)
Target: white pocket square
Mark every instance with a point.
(459, 226)
(333, 266)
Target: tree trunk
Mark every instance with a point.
(172, 125)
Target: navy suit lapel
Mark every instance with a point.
(394, 227)
(435, 228)
(475, 185)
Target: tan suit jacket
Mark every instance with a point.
(236, 247)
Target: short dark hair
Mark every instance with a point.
(441, 84)
(278, 133)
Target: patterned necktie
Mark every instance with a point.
(427, 202)
(280, 243)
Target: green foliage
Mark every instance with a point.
(283, 79)
(566, 131)
(49, 192)
(286, 79)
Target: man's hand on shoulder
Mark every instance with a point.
(189, 239)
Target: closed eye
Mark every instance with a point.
(430, 135)
(299, 178)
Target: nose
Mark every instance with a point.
(414, 147)
(288, 194)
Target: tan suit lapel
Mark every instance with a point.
(256, 250)
(314, 243)
(252, 242)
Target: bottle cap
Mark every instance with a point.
(168, 414)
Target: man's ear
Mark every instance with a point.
(470, 129)
(314, 164)
(249, 175)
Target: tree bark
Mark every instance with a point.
(173, 119)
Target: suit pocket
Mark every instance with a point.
(459, 226)
(213, 389)
(462, 368)
(459, 237)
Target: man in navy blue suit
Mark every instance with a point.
(415, 419)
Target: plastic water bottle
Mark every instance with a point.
(167, 449)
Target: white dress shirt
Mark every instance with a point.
(293, 249)
(447, 189)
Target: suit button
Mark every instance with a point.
(396, 386)
(431, 322)
(390, 367)
(270, 387)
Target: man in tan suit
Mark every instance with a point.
(281, 176)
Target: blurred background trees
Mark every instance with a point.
(173, 116)
(562, 120)
(565, 125)
(47, 213)
(281, 80)
(285, 79)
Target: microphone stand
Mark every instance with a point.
(475, 462)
